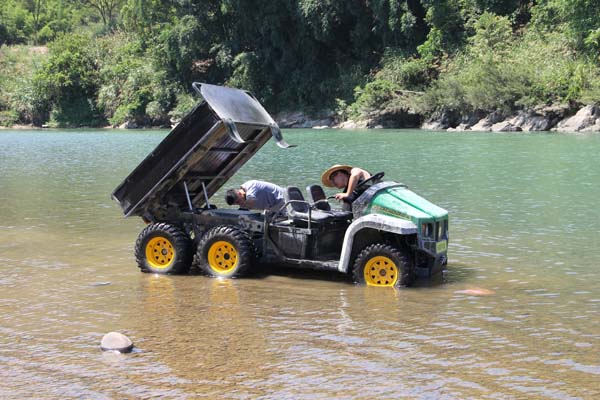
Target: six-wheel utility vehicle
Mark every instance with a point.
(390, 237)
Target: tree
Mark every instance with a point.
(106, 8)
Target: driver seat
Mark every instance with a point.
(318, 198)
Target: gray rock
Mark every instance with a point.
(433, 126)
(584, 120)
(484, 125)
(297, 119)
(441, 121)
(530, 121)
(116, 341)
(289, 119)
(129, 125)
(394, 117)
(106, 283)
(505, 126)
(351, 124)
(460, 128)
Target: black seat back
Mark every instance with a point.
(317, 196)
(298, 205)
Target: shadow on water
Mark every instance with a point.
(265, 271)
(456, 273)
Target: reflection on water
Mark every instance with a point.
(514, 317)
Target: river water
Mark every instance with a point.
(524, 231)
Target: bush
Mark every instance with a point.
(8, 117)
(184, 104)
(373, 96)
(19, 93)
(132, 89)
(407, 73)
(69, 81)
(497, 71)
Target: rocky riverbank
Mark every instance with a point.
(563, 118)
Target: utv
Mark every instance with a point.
(390, 237)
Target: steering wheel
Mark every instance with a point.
(377, 176)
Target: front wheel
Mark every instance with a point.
(382, 265)
(225, 251)
(164, 249)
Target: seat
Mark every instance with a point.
(295, 201)
(318, 198)
(298, 208)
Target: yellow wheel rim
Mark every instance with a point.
(222, 257)
(381, 271)
(160, 253)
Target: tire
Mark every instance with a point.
(163, 249)
(225, 251)
(382, 265)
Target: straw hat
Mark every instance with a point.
(326, 177)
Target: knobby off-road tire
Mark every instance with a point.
(225, 251)
(383, 265)
(164, 249)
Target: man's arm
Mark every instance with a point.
(355, 175)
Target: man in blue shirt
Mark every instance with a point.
(257, 195)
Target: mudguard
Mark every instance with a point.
(373, 221)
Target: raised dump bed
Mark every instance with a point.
(201, 153)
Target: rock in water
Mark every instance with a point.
(476, 292)
(116, 341)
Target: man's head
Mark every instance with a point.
(339, 179)
(235, 196)
(336, 176)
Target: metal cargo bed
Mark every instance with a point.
(199, 155)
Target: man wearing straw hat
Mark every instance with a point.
(344, 177)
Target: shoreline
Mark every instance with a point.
(555, 118)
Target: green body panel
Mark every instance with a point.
(431, 221)
(402, 203)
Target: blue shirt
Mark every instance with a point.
(263, 195)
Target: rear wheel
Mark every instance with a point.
(225, 251)
(382, 265)
(164, 249)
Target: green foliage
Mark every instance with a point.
(406, 72)
(134, 60)
(15, 21)
(18, 93)
(132, 88)
(178, 46)
(500, 72)
(578, 19)
(69, 81)
(8, 117)
(374, 95)
(184, 104)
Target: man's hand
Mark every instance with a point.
(341, 196)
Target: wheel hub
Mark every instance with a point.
(160, 252)
(380, 271)
(222, 256)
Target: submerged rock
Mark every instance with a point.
(115, 341)
(476, 292)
